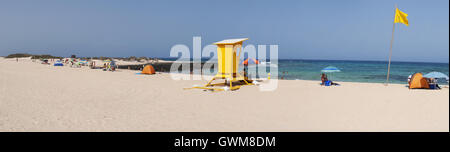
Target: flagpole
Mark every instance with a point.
(390, 48)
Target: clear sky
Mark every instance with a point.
(319, 29)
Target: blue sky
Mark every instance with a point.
(321, 29)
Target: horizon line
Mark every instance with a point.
(367, 60)
(340, 60)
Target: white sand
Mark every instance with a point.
(36, 97)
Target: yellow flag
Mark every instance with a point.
(400, 17)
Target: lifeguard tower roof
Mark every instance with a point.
(231, 41)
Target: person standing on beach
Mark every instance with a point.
(409, 79)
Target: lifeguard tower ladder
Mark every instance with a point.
(228, 63)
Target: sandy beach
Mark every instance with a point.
(36, 97)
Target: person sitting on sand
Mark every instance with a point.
(433, 82)
(323, 78)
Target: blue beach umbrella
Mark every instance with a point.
(330, 69)
(58, 63)
(436, 75)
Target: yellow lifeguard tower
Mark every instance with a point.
(228, 63)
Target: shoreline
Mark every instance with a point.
(162, 66)
(46, 98)
(208, 77)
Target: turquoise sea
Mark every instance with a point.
(357, 71)
(354, 71)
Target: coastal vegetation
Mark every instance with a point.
(24, 55)
(47, 56)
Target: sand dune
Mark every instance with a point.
(36, 97)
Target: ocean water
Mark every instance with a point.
(354, 71)
(357, 71)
